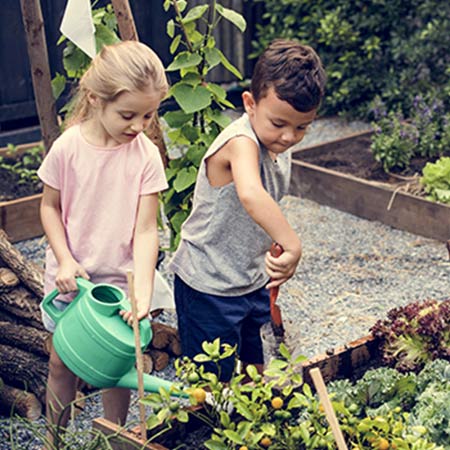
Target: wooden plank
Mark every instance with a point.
(371, 200)
(122, 439)
(361, 137)
(21, 149)
(20, 218)
(345, 361)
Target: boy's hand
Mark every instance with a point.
(67, 272)
(282, 268)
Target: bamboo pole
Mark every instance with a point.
(139, 358)
(40, 72)
(321, 389)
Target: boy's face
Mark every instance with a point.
(276, 123)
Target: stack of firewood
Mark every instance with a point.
(25, 344)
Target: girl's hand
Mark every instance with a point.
(282, 268)
(65, 277)
(143, 309)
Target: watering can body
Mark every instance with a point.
(93, 340)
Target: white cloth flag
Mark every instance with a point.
(77, 25)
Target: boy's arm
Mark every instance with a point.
(243, 156)
(145, 254)
(54, 229)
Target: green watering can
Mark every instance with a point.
(95, 343)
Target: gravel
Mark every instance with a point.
(352, 272)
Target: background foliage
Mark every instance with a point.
(395, 49)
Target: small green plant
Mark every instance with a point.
(23, 166)
(425, 134)
(393, 142)
(199, 118)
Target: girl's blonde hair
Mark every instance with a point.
(127, 66)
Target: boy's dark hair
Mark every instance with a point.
(294, 71)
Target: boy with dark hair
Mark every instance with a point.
(223, 265)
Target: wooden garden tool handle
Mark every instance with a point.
(275, 250)
(321, 389)
(139, 358)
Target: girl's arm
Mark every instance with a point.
(145, 254)
(54, 229)
(243, 157)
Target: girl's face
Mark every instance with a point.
(275, 122)
(120, 121)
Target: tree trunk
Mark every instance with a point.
(27, 338)
(125, 21)
(28, 272)
(128, 32)
(22, 303)
(40, 71)
(16, 401)
(24, 370)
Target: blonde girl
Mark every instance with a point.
(101, 182)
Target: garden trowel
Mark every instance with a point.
(272, 333)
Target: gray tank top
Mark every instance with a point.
(222, 249)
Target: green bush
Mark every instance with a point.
(396, 49)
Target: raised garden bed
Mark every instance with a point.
(19, 217)
(349, 361)
(320, 173)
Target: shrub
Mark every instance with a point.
(367, 50)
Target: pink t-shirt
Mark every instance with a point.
(100, 190)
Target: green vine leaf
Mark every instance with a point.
(229, 66)
(184, 60)
(232, 16)
(191, 99)
(195, 13)
(185, 178)
(58, 85)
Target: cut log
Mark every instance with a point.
(8, 279)
(15, 401)
(28, 272)
(147, 363)
(22, 303)
(160, 359)
(163, 335)
(24, 370)
(27, 338)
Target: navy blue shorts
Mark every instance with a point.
(235, 320)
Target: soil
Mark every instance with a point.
(12, 188)
(353, 157)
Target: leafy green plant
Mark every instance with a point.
(436, 180)
(199, 118)
(414, 334)
(280, 412)
(366, 50)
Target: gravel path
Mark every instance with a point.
(352, 272)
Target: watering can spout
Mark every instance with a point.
(151, 383)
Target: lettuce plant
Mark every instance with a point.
(414, 334)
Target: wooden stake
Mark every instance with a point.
(139, 359)
(40, 72)
(321, 389)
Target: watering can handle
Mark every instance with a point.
(50, 308)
